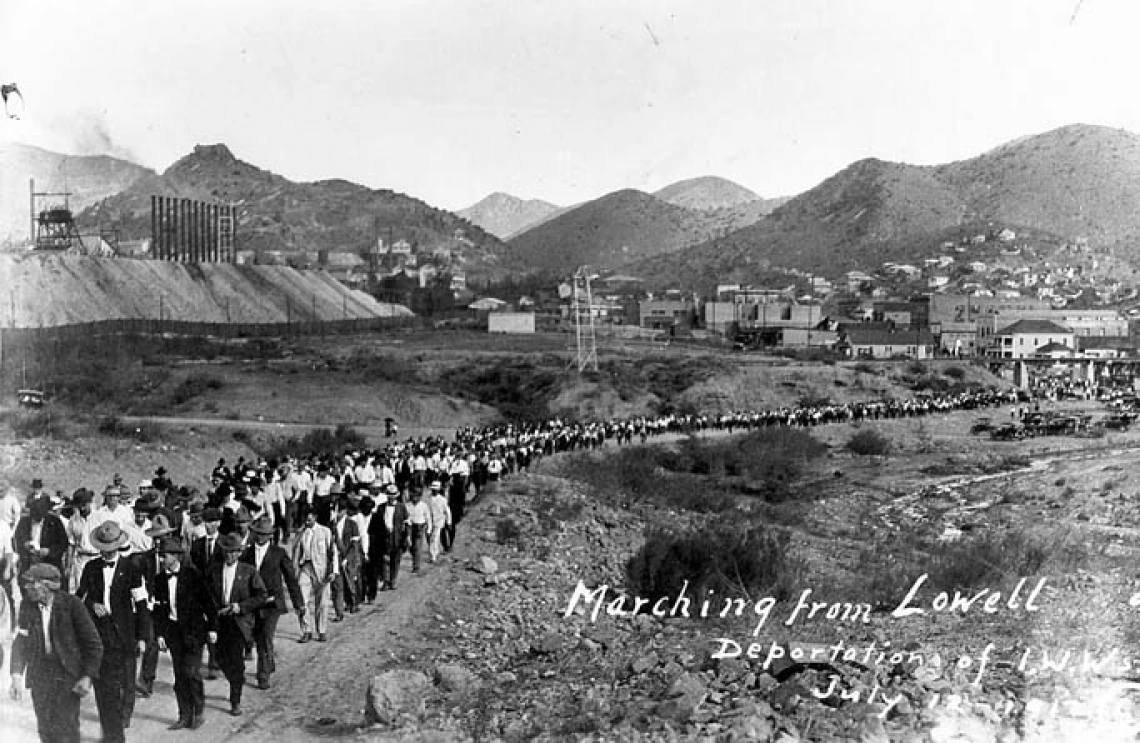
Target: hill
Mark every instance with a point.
(278, 214)
(59, 289)
(89, 179)
(504, 215)
(1076, 181)
(617, 228)
(705, 193)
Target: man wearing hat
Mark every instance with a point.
(40, 536)
(149, 564)
(388, 537)
(79, 528)
(204, 554)
(238, 591)
(113, 508)
(56, 653)
(276, 570)
(314, 554)
(440, 519)
(114, 592)
(185, 619)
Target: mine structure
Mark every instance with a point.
(53, 225)
(191, 231)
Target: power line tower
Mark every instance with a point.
(587, 346)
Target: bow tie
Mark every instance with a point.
(108, 563)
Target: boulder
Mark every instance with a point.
(394, 694)
(486, 566)
(455, 679)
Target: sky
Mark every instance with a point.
(564, 101)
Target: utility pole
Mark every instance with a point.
(586, 356)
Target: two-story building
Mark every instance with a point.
(1024, 339)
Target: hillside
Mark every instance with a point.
(1077, 181)
(278, 214)
(504, 215)
(615, 229)
(58, 289)
(89, 179)
(705, 193)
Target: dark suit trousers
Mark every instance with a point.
(264, 628)
(56, 707)
(115, 693)
(149, 669)
(371, 574)
(186, 657)
(392, 568)
(230, 654)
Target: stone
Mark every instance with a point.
(486, 566)
(455, 679)
(550, 643)
(645, 663)
(685, 695)
(394, 694)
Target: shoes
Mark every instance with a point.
(338, 618)
(263, 684)
(182, 723)
(197, 721)
(322, 637)
(211, 675)
(306, 637)
(144, 690)
(354, 609)
(249, 655)
(235, 710)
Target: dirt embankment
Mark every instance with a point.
(52, 289)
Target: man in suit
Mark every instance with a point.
(276, 570)
(346, 536)
(57, 651)
(114, 592)
(314, 554)
(388, 537)
(40, 536)
(204, 554)
(185, 619)
(238, 592)
(149, 563)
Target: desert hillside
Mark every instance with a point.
(53, 289)
(504, 215)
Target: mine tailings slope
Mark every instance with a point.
(45, 290)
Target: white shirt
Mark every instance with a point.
(108, 576)
(229, 572)
(172, 581)
(123, 515)
(137, 538)
(45, 619)
(10, 509)
(5, 539)
(37, 530)
(419, 514)
(259, 551)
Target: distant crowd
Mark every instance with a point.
(205, 573)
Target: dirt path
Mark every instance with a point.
(373, 433)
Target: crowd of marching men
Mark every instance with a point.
(208, 572)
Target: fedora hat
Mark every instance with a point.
(243, 516)
(160, 527)
(436, 485)
(230, 543)
(170, 544)
(81, 496)
(261, 525)
(42, 571)
(108, 537)
(213, 513)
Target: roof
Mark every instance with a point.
(1054, 348)
(870, 337)
(1033, 327)
(487, 303)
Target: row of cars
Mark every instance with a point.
(1054, 424)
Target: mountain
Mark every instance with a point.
(609, 231)
(706, 193)
(89, 179)
(1076, 181)
(278, 214)
(504, 215)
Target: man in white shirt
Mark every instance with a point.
(419, 523)
(113, 509)
(79, 528)
(440, 519)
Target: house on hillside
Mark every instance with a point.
(865, 343)
(665, 314)
(1024, 338)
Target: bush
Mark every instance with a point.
(38, 424)
(319, 441)
(956, 373)
(114, 426)
(727, 558)
(194, 386)
(865, 368)
(868, 442)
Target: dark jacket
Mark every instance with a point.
(197, 614)
(74, 640)
(278, 574)
(53, 538)
(129, 621)
(248, 592)
(381, 540)
(200, 559)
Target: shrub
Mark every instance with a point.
(38, 424)
(320, 441)
(865, 368)
(194, 386)
(114, 426)
(956, 373)
(727, 558)
(868, 442)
